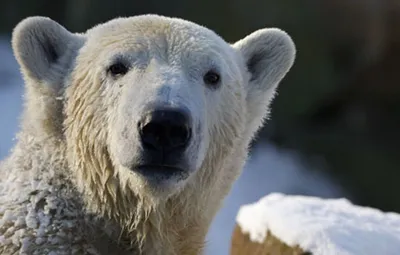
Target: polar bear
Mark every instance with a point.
(132, 133)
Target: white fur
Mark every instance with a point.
(78, 133)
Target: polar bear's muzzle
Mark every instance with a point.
(165, 134)
(165, 130)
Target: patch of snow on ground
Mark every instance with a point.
(322, 226)
(268, 170)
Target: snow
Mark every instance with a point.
(322, 226)
(11, 89)
(268, 170)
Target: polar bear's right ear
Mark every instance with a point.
(44, 49)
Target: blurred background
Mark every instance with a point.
(335, 125)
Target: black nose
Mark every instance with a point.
(165, 130)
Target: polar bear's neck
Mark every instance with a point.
(176, 226)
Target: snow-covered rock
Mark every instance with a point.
(270, 169)
(320, 226)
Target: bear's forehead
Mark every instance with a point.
(147, 36)
(154, 30)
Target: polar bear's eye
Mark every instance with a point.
(118, 69)
(212, 78)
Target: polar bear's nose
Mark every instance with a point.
(165, 130)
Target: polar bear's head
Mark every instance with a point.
(149, 105)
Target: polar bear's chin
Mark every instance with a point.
(161, 173)
(162, 178)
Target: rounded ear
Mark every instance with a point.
(268, 55)
(46, 52)
(41, 45)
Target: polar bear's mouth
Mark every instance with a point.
(161, 172)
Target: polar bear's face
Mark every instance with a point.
(165, 88)
(152, 103)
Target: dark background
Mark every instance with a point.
(339, 106)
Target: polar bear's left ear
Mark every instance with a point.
(268, 55)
